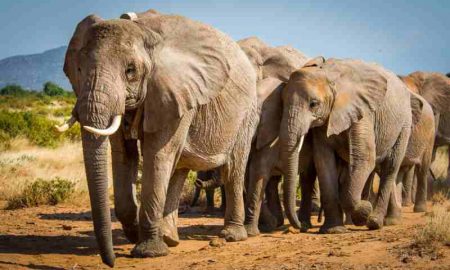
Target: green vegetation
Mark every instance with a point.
(52, 89)
(43, 192)
(31, 115)
(13, 90)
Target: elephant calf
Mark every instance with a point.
(359, 115)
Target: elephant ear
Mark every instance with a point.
(269, 96)
(76, 43)
(280, 62)
(416, 108)
(436, 90)
(359, 89)
(190, 68)
(318, 61)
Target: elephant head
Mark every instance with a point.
(334, 94)
(433, 87)
(165, 63)
(272, 64)
(276, 62)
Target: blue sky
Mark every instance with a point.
(402, 35)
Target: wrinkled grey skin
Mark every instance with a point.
(197, 91)
(435, 89)
(273, 66)
(417, 161)
(352, 110)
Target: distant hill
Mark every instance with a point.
(32, 71)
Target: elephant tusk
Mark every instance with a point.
(129, 16)
(300, 144)
(108, 131)
(64, 127)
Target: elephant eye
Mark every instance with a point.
(313, 103)
(130, 72)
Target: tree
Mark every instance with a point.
(13, 90)
(52, 89)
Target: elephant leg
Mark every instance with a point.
(315, 196)
(223, 198)
(368, 194)
(310, 193)
(407, 187)
(326, 167)
(420, 202)
(259, 171)
(125, 160)
(162, 151)
(170, 216)
(210, 199)
(394, 210)
(197, 192)
(362, 163)
(389, 170)
(273, 199)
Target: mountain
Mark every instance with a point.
(32, 71)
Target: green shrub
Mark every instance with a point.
(37, 128)
(42, 192)
(52, 89)
(13, 90)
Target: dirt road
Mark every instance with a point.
(62, 238)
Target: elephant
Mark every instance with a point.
(209, 181)
(359, 115)
(187, 92)
(435, 89)
(273, 66)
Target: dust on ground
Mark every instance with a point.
(61, 237)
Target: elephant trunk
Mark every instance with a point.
(96, 108)
(291, 138)
(95, 161)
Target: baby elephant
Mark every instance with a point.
(209, 181)
(360, 117)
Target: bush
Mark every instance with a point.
(37, 128)
(42, 192)
(437, 228)
(13, 90)
(52, 89)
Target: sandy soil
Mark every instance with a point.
(62, 238)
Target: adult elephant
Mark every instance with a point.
(191, 93)
(435, 89)
(273, 66)
(353, 111)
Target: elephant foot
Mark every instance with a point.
(233, 233)
(131, 232)
(332, 229)
(375, 222)
(252, 230)
(420, 207)
(390, 221)
(150, 248)
(361, 213)
(269, 224)
(305, 226)
(170, 231)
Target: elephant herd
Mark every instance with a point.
(186, 96)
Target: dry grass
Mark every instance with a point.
(23, 164)
(437, 228)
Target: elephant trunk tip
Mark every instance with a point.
(109, 259)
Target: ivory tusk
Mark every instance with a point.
(108, 131)
(129, 16)
(300, 144)
(68, 124)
